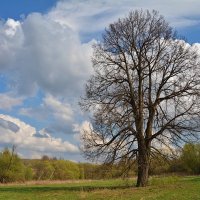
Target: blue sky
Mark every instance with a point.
(45, 52)
(19, 8)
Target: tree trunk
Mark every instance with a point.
(143, 167)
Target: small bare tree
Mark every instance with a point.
(144, 93)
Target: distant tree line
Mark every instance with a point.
(15, 169)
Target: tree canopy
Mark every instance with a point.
(144, 93)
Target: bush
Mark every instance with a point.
(190, 158)
(11, 167)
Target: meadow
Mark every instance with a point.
(160, 188)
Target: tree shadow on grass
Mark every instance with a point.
(27, 189)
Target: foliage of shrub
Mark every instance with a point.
(12, 168)
(190, 158)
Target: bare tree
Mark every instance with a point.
(144, 92)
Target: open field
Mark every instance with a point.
(165, 188)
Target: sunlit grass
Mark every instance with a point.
(160, 188)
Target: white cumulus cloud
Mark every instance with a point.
(58, 114)
(26, 138)
(91, 16)
(8, 101)
(61, 111)
(41, 53)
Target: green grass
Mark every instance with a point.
(160, 188)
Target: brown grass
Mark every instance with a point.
(45, 182)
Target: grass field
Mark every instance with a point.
(165, 188)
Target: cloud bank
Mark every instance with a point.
(39, 53)
(50, 54)
(26, 138)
